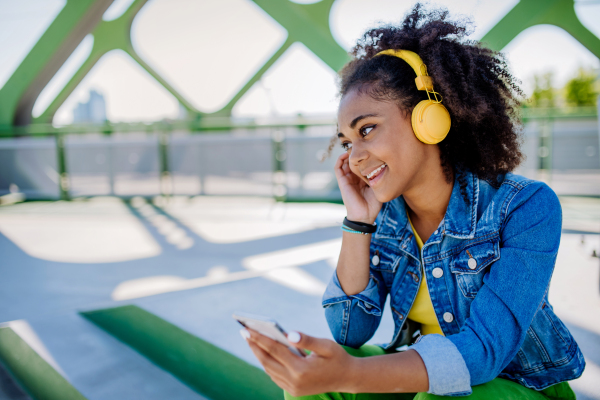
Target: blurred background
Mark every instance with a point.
(161, 162)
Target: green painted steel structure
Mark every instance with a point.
(39, 379)
(202, 366)
(528, 13)
(305, 23)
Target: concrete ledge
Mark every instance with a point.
(31, 371)
(11, 198)
(204, 367)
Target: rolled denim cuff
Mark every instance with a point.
(368, 299)
(446, 367)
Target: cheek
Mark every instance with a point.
(407, 156)
(403, 167)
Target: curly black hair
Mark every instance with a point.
(483, 98)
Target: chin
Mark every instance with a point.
(383, 196)
(385, 193)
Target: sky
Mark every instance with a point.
(207, 50)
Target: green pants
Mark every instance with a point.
(498, 389)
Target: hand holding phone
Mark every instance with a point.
(266, 327)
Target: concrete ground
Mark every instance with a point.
(194, 261)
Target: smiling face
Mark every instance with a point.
(383, 149)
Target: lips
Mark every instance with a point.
(373, 174)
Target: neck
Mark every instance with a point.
(428, 200)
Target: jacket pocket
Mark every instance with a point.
(470, 265)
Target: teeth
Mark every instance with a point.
(372, 174)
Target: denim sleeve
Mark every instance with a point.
(513, 290)
(354, 319)
(447, 371)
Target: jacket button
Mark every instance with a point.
(436, 232)
(472, 263)
(375, 260)
(448, 317)
(437, 272)
(368, 306)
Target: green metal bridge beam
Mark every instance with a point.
(528, 13)
(105, 40)
(108, 36)
(226, 111)
(54, 47)
(305, 23)
(308, 24)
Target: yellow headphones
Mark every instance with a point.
(430, 119)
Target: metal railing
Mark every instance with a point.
(162, 144)
(222, 156)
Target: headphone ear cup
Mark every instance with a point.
(430, 122)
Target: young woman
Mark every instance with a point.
(463, 248)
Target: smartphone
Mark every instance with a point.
(267, 327)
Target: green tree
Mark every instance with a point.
(582, 90)
(544, 94)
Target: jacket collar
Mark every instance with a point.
(461, 215)
(460, 219)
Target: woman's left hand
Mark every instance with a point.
(328, 368)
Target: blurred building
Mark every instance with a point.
(94, 110)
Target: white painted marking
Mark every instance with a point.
(288, 260)
(279, 266)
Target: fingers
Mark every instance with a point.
(346, 166)
(338, 168)
(276, 371)
(343, 163)
(343, 172)
(271, 365)
(321, 347)
(344, 156)
(275, 350)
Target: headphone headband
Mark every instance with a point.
(423, 80)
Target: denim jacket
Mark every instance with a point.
(488, 268)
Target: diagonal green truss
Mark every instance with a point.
(528, 13)
(305, 23)
(72, 24)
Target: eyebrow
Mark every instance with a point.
(355, 121)
(361, 117)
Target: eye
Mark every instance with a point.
(347, 146)
(365, 130)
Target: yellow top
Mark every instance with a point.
(422, 309)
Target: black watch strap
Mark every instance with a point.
(360, 226)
